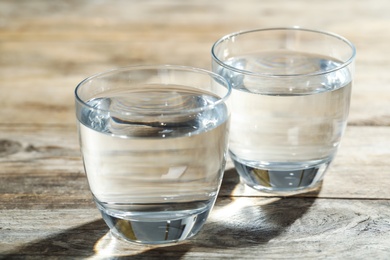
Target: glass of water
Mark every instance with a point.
(290, 102)
(154, 144)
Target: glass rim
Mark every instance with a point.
(294, 28)
(182, 68)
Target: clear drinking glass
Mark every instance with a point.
(154, 144)
(290, 102)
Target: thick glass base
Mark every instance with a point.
(155, 227)
(286, 177)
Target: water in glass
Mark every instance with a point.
(154, 173)
(284, 133)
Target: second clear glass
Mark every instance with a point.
(290, 103)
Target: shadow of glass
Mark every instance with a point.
(78, 241)
(236, 221)
(229, 182)
(93, 240)
(243, 221)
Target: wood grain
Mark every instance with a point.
(50, 54)
(43, 183)
(48, 47)
(48, 163)
(242, 227)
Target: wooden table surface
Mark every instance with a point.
(46, 209)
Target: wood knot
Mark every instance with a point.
(8, 147)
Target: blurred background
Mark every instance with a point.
(48, 47)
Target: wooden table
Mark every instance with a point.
(46, 209)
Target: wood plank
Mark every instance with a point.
(50, 99)
(360, 169)
(239, 228)
(43, 20)
(46, 169)
(50, 54)
(46, 209)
